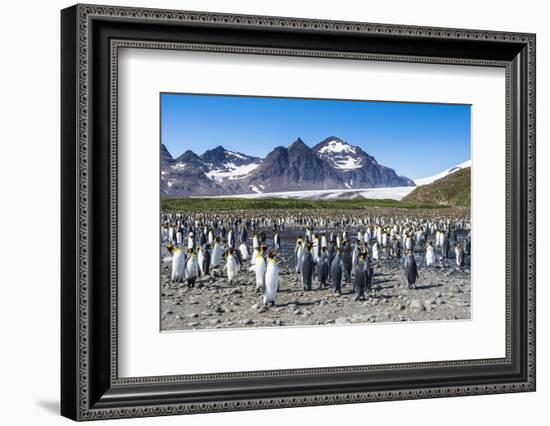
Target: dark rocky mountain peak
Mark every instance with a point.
(165, 156)
(221, 158)
(188, 156)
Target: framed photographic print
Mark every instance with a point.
(263, 212)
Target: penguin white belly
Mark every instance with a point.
(178, 265)
(244, 251)
(430, 256)
(259, 268)
(201, 262)
(375, 252)
(271, 282)
(192, 268)
(299, 255)
(232, 269)
(254, 256)
(216, 256)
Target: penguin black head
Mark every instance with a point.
(272, 255)
(264, 248)
(190, 250)
(170, 247)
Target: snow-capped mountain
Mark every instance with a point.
(355, 167)
(330, 165)
(296, 167)
(223, 164)
(341, 155)
(430, 179)
(185, 175)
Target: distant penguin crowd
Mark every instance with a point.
(327, 250)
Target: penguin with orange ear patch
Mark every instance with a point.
(191, 268)
(271, 280)
(178, 263)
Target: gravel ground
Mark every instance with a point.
(443, 293)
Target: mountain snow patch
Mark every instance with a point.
(348, 163)
(231, 171)
(236, 154)
(338, 147)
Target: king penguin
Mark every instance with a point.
(232, 266)
(259, 268)
(307, 268)
(430, 254)
(178, 263)
(216, 253)
(271, 280)
(336, 273)
(411, 271)
(192, 268)
(244, 251)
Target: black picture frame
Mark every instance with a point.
(90, 386)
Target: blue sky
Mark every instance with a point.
(416, 140)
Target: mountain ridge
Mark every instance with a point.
(330, 164)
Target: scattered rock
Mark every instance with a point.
(416, 305)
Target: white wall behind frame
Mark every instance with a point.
(199, 72)
(29, 162)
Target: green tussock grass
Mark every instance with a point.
(206, 204)
(453, 190)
